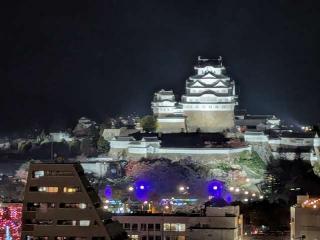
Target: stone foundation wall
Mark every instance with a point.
(207, 159)
(209, 121)
(171, 127)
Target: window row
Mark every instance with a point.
(81, 223)
(62, 238)
(42, 173)
(175, 227)
(136, 237)
(53, 189)
(34, 206)
(143, 226)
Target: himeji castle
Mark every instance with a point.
(207, 105)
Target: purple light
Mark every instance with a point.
(108, 192)
(142, 190)
(215, 188)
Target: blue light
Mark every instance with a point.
(228, 197)
(215, 188)
(108, 192)
(142, 190)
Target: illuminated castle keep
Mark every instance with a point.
(207, 106)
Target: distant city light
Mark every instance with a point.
(246, 199)
(253, 195)
(248, 180)
(261, 197)
(246, 192)
(215, 187)
(141, 187)
(181, 188)
(237, 190)
(231, 189)
(105, 207)
(130, 188)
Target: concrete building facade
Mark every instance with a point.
(218, 223)
(60, 204)
(305, 218)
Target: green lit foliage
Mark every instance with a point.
(103, 145)
(148, 123)
(224, 167)
(253, 162)
(316, 168)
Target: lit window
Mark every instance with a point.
(71, 189)
(176, 227)
(73, 205)
(133, 237)
(85, 223)
(48, 189)
(82, 205)
(38, 174)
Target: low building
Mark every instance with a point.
(60, 204)
(176, 146)
(218, 223)
(60, 137)
(305, 218)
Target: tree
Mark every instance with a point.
(103, 145)
(148, 123)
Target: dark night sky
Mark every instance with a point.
(64, 59)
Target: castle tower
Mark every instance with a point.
(210, 98)
(168, 112)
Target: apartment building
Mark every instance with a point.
(218, 223)
(60, 204)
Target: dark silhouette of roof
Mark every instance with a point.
(195, 140)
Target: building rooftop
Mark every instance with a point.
(190, 140)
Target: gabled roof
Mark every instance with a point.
(197, 84)
(209, 75)
(220, 84)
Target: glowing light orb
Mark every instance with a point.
(215, 188)
(142, 190)
(108, 192)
